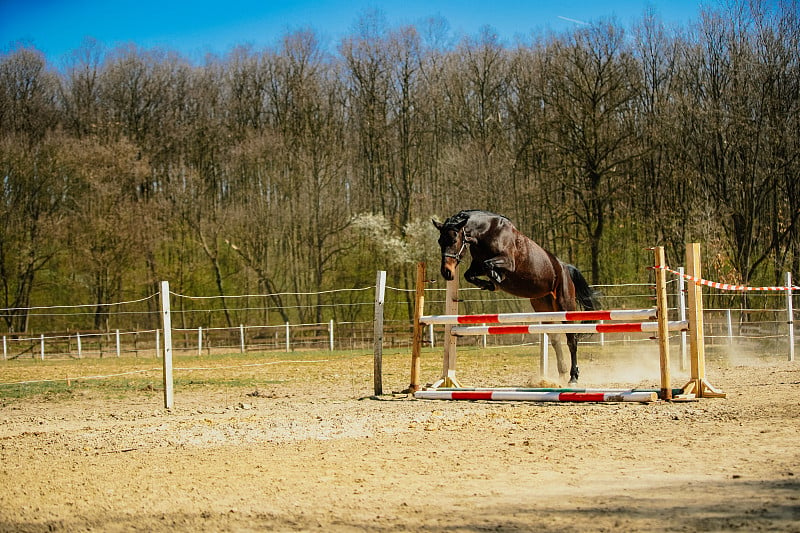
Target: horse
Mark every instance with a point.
(503, 258)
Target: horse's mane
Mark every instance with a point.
(458, 220)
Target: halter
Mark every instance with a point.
(460, 253)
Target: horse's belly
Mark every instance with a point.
(525, 288)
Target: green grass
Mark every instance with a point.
(118, 377)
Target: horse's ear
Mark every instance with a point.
(437, 224)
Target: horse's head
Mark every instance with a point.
(453, 242)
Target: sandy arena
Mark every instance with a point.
(313, 453)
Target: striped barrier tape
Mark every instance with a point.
(725, 286)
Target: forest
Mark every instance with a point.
(309, 165)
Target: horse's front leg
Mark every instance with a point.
(471, 275)
(497, 266)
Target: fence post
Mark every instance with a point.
(80, 345)
(380, 292)
(241, 338)
(450, 343)
(42, 345)
(663, 320)
(5, 348)
(790, 310)
(544, 357)
(166, 320)
(118, 348)
(158, 343)
(330, 333)
(199, 341)
(729, 321)
(287, 338)
(602, 335)
(416, 342)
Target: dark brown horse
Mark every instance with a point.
(505, 259)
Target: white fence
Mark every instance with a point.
(771, 326)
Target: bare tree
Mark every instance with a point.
(34, 186)
(104, 218)
(591, 87)
(740, 111)
(368, 80)
(475, 87)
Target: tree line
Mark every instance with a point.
(303, 167)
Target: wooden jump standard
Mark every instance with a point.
(448, 387)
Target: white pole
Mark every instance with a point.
(430, 333)
(42, 346)
(5, 348)
(241, 338)
(80, 346)
(158, 343)
(790, 310)
(602, 335)
(484, 338)
(199, 341)
(287, 337)
(544, 362)
(682, 310)
(166, 320)
(730, 326)
(377, 350)
(330, 333)
(118, 350)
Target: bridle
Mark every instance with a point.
(460, 253)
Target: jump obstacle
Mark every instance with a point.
(448, 387)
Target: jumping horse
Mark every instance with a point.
(503, 258)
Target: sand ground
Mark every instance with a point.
(314, 455)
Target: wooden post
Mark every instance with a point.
(166, 319)
(380, 292)
(118, 346)
(199, 341)
(416, 343)
(448, 378)
(663, 322)
(697, 384)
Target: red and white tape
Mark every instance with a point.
(725, 286)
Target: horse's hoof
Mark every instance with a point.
(573, 381)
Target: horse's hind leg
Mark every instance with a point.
(572, 342)
(555, 342)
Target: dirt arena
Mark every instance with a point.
(307, 449)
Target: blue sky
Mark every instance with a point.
(57, 27)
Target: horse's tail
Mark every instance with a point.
(586, 296)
